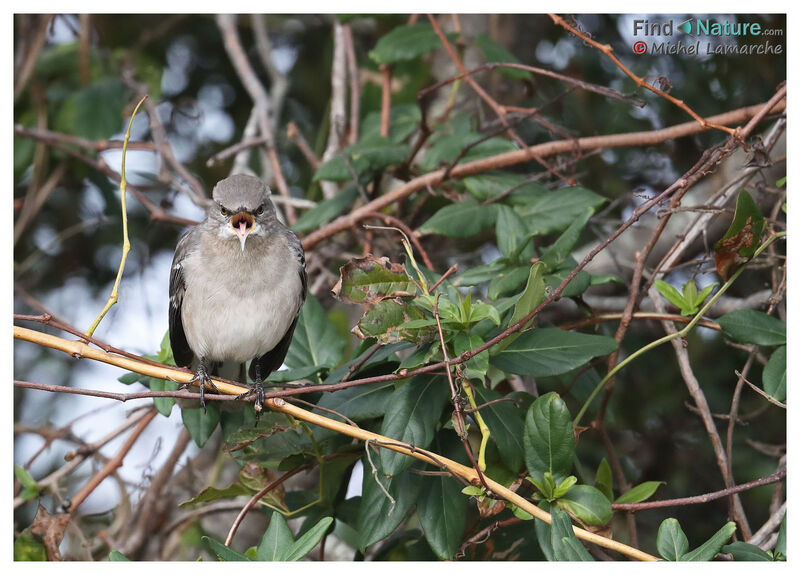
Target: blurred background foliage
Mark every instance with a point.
(67, 257)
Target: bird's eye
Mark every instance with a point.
(224, 211)
(260, 210)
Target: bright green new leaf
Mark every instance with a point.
(30, 487)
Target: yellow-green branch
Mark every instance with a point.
(126, 244)
(81, 349)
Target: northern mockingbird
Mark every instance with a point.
(237, 284)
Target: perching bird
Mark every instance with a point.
(237, 284)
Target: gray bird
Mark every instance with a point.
(237, 284)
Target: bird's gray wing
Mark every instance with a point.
(177, 287)
(273, 359)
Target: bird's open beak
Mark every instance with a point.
(242, 225)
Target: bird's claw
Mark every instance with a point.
(204, 379)
(258, 390)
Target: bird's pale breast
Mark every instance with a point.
(258, 291)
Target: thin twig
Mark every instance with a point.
(498, 161)
(238, 57)
(608, 51)
(114, 463)
(705, 498)
(255, 499)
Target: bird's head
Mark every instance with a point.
(242, 208)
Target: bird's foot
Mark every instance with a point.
(258, 391)
(201, 376)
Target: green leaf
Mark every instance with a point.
(30, 487)
(603, 481)
(214, 494)
(507, 280)
(129, 378)
(490, 184)
(506, 425)
(532, 296)
(742, 551)
(117, 556)
(377, 517)
(93, 112)
(563, 542)
(391, 321)
(588, 504)
(555, 254)
(671, 540)
(494, 52)
(403, 120)
(359, 402)
(315, 341)
(639, 493)
(306, 542)
(511, 232)
(710, 548)
(751, 326)
(576, 286)
(477, 366)
(547, 211)
(671, 294)
(28, 548)
(412, 413)
(223, 552)
(405, 43)
(370, 155)
(461, 220)
(551, 351)
(549, 438)
(775, 374)
(201, 423)
(780, 543)
(369, 280)
(564, 487)
(326, 210)
(442, 512)
(163, 404)
(701, 297)
(447, 148)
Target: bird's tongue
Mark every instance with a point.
(242, 228)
